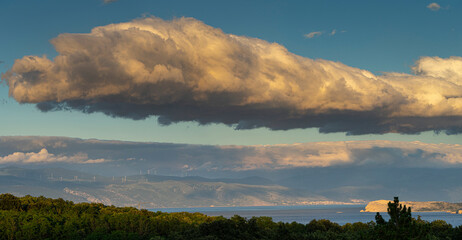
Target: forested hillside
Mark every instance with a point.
(44, 218)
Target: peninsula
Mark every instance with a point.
(431, 206)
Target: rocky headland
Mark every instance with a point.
(432, 206)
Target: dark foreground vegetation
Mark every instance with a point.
(44, 218)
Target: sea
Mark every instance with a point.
(340, 214)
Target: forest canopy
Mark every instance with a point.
(45, 218)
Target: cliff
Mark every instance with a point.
(434, 206)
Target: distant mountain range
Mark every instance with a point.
(310, 186)
(151, 191)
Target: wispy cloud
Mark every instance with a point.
(149, 67)
(319, 33)
(434, 6)
(313, 34)
(109, 1)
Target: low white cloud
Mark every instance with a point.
(313, 34)
(185, 70)
(174, 158)
(43, 156)
(434, 6)
(325, 154)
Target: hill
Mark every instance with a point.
(431, 206)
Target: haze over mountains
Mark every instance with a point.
(149, 190)
(204, 175)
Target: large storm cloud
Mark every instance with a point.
(185, 70)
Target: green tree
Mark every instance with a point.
(400, 216)
(379, 219)
(9, 202)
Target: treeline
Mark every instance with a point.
(44, 218)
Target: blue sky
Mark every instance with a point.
(386, 36)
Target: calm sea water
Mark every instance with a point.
(340, 214)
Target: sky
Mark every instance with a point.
(388, 70)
